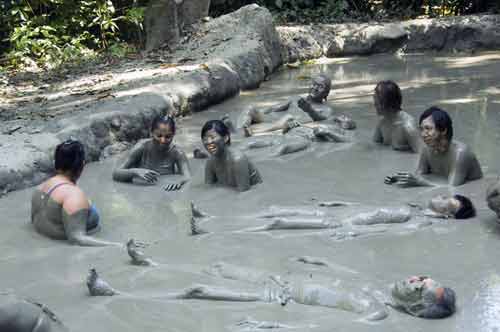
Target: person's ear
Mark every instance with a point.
(444, 132)
(226, 139)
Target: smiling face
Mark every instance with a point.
(163, 135)
(447, 205)
(429, 133)
(214, 142)
(319, 89)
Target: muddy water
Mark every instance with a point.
(462, 255)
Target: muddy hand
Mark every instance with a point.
(147, 175)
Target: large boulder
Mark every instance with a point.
(166, 19)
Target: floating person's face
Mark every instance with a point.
(319, 89)
(412, 290)
(447, 205)
(163, 135)
(430, 134)
(214, 142)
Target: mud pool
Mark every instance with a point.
(462, 255)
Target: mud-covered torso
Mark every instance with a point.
(395, 133)
(225, 172)
(164, 163)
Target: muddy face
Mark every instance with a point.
(163, 135)
(214, 143)
(430, 134)
(319, 89)
(446, 205)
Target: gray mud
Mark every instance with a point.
(462, 255)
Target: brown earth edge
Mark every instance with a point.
(107, 108)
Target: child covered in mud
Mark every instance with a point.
(59, 208)
(156, 156)
(226, 166)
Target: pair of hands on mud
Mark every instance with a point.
(151, 177)
(403, 179)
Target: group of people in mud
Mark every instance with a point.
(61, 210)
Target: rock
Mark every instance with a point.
(368, 39)
(165, 19)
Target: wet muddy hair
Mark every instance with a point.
(327, 80)
(441, 119)
(163, 119)
(444, 307)
(389, 95)
(466, 210)
(219, 127)
(69, 157)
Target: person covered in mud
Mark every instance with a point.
(156, 156)
(226, 166)
(396, 128)
(441, 206)
(441, 155)
(423, 297)
(252, 120)
(59, 208)
(19, 315)
(274, 289)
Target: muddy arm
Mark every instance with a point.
(377, 136)
(125, 172)
(210, 177)
(316, 114)
(75, 227)
(277, 108)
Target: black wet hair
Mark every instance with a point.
(466, 210)
(163, 119)
(444, 307)
(219, 127)
(441, 119)
(69, 156)
(389, 95)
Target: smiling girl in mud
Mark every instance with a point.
(155, 156)
(226, 166)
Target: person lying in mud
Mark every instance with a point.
(396, 128)
(226, 166)
(441, 206)
(252, 120)
(423, 297)
(440, 155)
(20, 315)
(493, 198)
(59, 208)
(276, 290)
(156, 156)
(298, 137)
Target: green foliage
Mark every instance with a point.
(51, 32)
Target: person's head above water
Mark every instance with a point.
(163, 130)
(436, 127)
(215, 136)
(387, 97)
(456, 206)
(320, 88)
(69, 159)
(423, 297)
